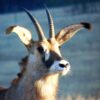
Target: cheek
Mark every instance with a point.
(38, 55)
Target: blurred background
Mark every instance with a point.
(82, 51)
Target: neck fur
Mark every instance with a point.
(44, 88)
(34, 87)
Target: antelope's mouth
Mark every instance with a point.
(65, 71)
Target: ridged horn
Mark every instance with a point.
(51, 23)
(37, 25)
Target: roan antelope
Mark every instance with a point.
(40, 70)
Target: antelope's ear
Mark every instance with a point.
(68, 32)
(24, 34)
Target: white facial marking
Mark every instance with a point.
(57, 68)
(66, 70)
(63, 62)
(47, 55)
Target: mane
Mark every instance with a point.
(22, 65)
(3, 92)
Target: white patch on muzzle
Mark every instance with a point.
(56, 67)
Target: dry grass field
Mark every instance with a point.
(79, 97)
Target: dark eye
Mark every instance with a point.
(40, 49)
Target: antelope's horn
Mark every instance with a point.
(37, 25)
(51, 23)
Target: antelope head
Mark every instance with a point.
(45, 54)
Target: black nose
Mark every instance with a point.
(63, 65)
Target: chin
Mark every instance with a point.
(65, 71)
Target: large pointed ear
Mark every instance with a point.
(24, 34)
(68, 32)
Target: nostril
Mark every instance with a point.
(62, 65)
(67, 64)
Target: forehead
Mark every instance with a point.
(49, 44)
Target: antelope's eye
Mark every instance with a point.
(40, 49)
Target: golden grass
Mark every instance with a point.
(79, 97)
